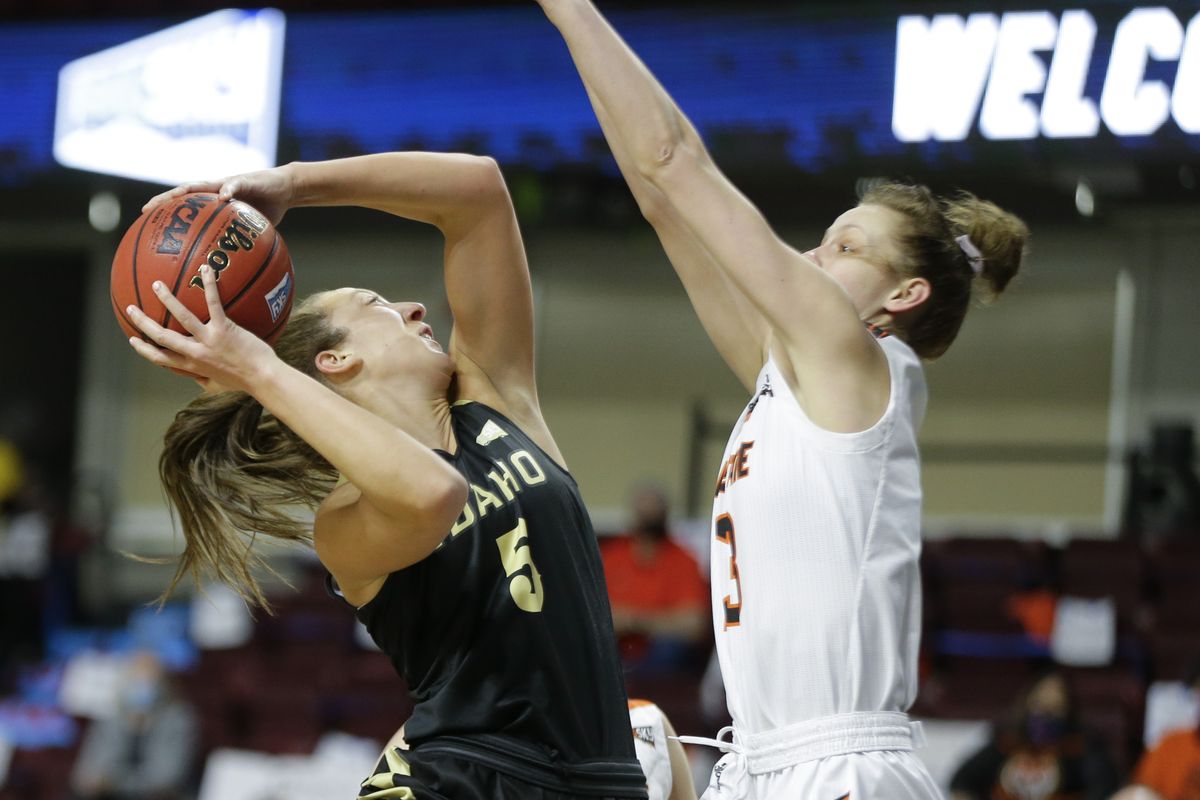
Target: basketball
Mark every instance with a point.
(170, 243)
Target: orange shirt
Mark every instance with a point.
(1172, 768)
(671, 581)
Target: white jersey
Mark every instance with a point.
(815, 589)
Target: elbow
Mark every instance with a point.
(429, 521)
(480, 193)
(658, 158)
(444, 502)
(675, 144)
(488, 181)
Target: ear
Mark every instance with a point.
(909, 295)
(338, 364)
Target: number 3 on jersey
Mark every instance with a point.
(733, 608)
(525, 585)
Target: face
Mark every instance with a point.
(1048, 697)
(391, 339)
(857, 251)
(649, 509)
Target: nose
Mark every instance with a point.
(413, 312)
(814, 254)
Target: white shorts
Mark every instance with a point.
(846, 757)
(881, 775)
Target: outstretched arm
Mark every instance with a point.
(734, 325)
(810, 318)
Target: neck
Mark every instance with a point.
(426, 418)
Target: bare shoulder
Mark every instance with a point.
(844, 385)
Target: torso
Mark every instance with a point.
(816, 536)
(505, 628)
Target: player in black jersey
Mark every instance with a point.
(458, 534)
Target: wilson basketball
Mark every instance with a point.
(170, 242)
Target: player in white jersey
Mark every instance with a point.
(816, 526)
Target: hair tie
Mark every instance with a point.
(974, 257)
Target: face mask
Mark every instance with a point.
(140, 696)
(1045, 729)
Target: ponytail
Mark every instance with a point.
(233, 471)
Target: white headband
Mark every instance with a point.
(974, 257)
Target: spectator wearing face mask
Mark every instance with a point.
(659, 597)
(146, 750)
(1042, 754)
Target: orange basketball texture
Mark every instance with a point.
(170, 242)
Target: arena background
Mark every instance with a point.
(1034, 414)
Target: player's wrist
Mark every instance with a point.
(298, 190)
(265, 377)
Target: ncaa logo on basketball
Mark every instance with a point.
(180, 223)
(277, 298)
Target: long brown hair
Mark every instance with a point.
(929, 250)
(232, 471)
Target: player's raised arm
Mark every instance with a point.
(735, 326)
(807, 312)
(486, 273)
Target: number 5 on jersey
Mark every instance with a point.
(733, 608)
(525, 585)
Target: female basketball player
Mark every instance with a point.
(458, 535)
(816, 593)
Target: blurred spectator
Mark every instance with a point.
(1042, 754)
(24, 560)
(147, 749)
(1172, 766)
(659, 598)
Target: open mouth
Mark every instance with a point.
(427, 334)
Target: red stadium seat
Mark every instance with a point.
(988, 560)
(1173, 652)
(1111, 722)
(1105, 568)
(282, 720)
(1102, 695)
(980, 608)
(973, 688)
(371, 713)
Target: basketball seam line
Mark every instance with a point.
(191, 252)
(266, 263)
(137, 245)
(121, 313)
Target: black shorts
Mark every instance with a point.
(434, 774)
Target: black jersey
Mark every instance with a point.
(504, 633)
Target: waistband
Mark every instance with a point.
(591, 778)
(836, 735)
